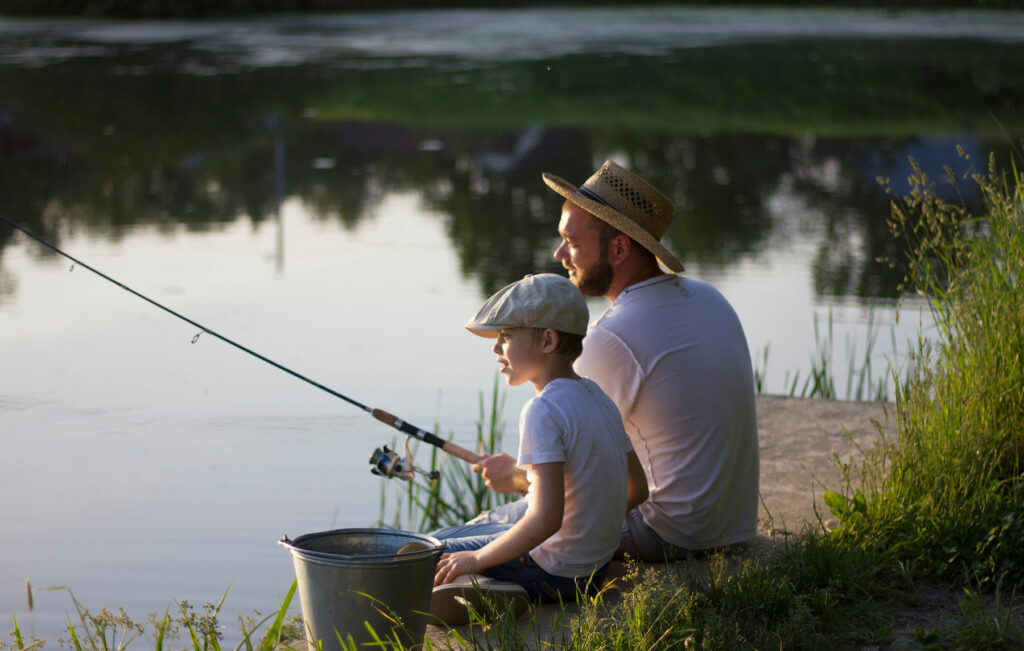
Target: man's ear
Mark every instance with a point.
(619, 247)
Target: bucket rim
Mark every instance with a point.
(436, 547)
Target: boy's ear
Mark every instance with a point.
(549, 340)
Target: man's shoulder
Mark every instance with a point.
(666, 295)
(566, 395)
(659, 318)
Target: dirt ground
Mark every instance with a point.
(799, 440)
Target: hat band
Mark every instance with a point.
(593, 196)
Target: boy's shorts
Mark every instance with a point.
(544, 586)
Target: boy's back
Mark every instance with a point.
(574, 422)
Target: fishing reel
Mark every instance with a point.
(387, 463)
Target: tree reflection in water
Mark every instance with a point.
(753, 142)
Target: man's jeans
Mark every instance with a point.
(640, 542)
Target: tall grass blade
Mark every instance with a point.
(161, 630)
(273, 636)
(74, 635)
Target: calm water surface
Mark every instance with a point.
(340, 193)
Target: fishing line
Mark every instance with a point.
(379, 414)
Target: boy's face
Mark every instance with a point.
(519, 354)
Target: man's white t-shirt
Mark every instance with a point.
(574, 422)
(671, 353)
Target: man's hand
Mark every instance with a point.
(501, 474)
(454, 564)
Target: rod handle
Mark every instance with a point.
(460, 452)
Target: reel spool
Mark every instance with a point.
(385, 462)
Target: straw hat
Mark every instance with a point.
(536, 301)
(627, 202)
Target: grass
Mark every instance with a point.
(939, 509)
(108, 631)
(948, 495)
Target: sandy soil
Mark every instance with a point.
(800, 441)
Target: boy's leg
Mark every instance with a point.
(489, 522)
(473, 541)
(543, 586)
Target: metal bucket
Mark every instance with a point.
(350, 577)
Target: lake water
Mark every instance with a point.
(339, 193)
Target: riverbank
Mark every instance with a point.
(799, 440)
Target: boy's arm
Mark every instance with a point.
(541, 521)
(636, 482)
(501, 474)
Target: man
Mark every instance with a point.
(671, 353)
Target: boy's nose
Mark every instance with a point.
(496, 349)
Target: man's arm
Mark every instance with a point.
(501, 474)
(540, 522)
(636, 482)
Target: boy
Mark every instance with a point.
(573, 448)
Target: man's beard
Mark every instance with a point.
(596, 280)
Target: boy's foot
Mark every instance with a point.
(488, 597)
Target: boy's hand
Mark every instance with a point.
(500, 473)
(456, 563)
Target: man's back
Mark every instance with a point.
(672, 355)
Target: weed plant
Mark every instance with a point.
(947, 497)
(108, 631)
(801, 595)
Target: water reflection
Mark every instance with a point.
(499, 216)
(198, 126)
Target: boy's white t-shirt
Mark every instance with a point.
(574, 422)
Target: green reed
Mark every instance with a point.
(948, 495)
(460, 493)
(105, 630)
(863, 380)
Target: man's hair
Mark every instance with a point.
(570, 345)
(606, 231)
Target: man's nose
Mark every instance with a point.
(496, 349)
(560, 252)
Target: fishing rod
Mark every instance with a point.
(384, 462)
